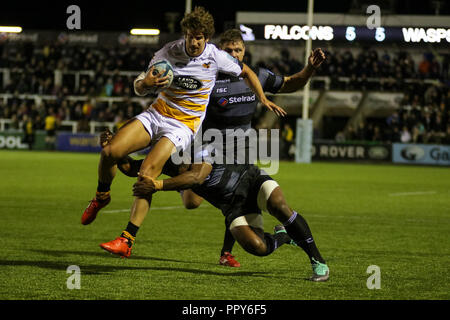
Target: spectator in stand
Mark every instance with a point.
(361, 132)
(427, 120)
(438, 129)
(446, 139)
(393, 120)
(118, 86)
(340, 137)
(87, 109)
(119, 120)
(415, 135)
(405, 135)
(395, 135)
(424, 66)
(376, 136)
(109, 86)
(351, 133)
(368, 131)
(431, 95)
(434, 68)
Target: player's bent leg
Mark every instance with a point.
(249, 233)
(151, 166)
(131, 137)
(249, 240)
(226, 258)
(298, 229)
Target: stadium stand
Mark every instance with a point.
(91, 88)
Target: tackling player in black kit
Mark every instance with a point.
(232, 106)
(241, 192)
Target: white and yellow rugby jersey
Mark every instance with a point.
(194, 77)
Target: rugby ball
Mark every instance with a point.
(164, 67)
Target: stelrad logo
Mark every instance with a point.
(232, 100)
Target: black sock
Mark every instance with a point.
(299, 231)
(228, 240)
(130, 233)
(274, 241)
(103, 187)
(132, 229)
(282, 238)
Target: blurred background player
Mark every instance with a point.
(176, 114)
(50, 129)
(238, 116)
(29, 131)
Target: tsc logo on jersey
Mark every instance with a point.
(206, 65)
(232, 100)
(187, 82)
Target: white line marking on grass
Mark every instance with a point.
(417, 193)
(151, 208)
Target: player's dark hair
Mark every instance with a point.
(231, 35)
(199, 20)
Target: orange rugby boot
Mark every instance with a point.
(120, 246)
(100, 201)
(227, 259)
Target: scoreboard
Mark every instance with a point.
(346, 33)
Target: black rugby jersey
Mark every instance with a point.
(232, 103)
(220, 185)
(231, 108)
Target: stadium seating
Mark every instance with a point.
(91, 87)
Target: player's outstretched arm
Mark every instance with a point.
(297, 81)
(194, 176)
(253, 82)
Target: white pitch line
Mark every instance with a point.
(152, 208)
(400, 194)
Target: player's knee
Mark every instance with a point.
(277, 206)
(255, 246)
(190, 205)
(149, 169)
(113, 152)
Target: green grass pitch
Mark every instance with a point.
(394, 217)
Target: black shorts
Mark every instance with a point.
(244, 200)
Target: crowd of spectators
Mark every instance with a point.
(418, 119)
(369, 70)
(109, 72)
